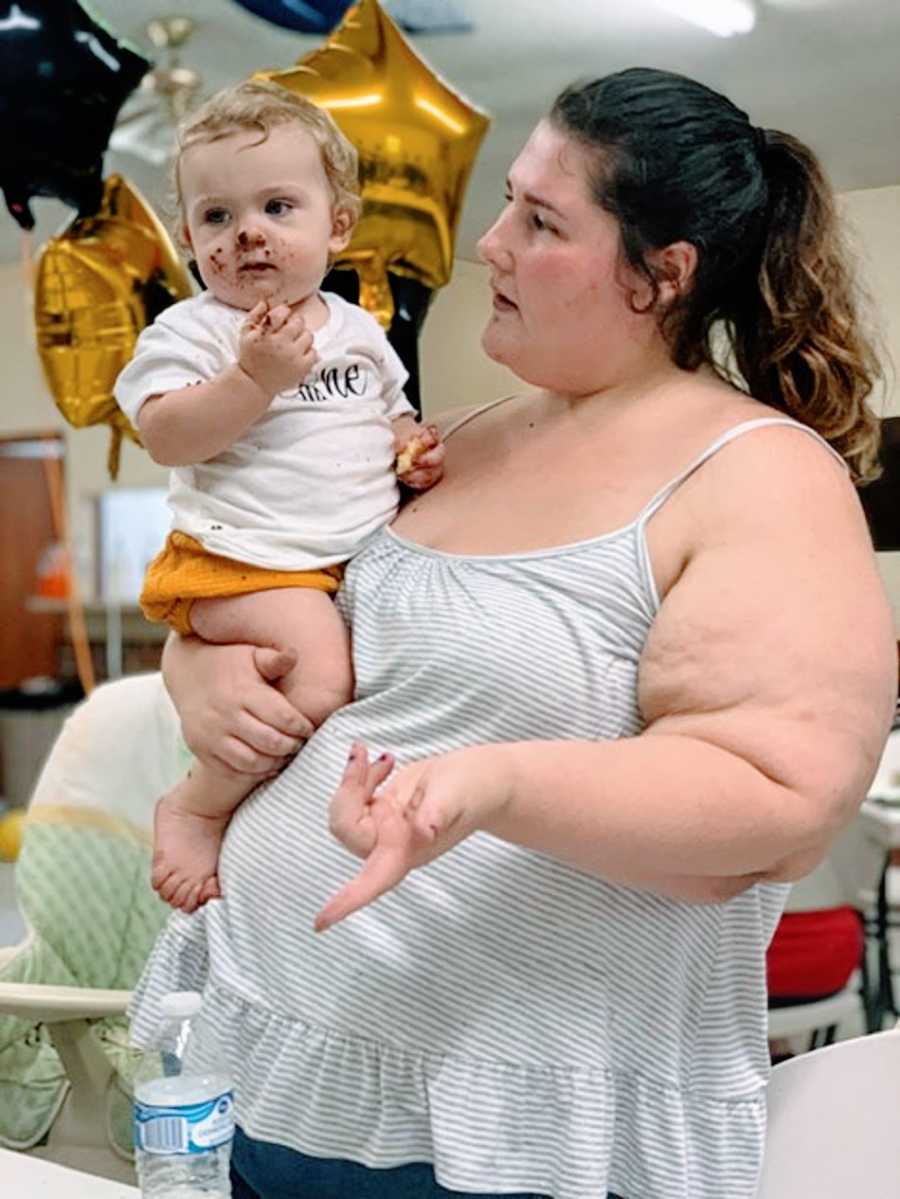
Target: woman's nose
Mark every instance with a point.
(491, 248)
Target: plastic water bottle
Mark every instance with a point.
(183, 1112)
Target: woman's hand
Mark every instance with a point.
(233, 716)
(424, 810)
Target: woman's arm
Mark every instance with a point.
(768, 684)
(233, 716)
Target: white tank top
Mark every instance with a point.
(520, 1024)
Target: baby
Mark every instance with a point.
(281, 410)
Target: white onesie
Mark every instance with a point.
(313, 477)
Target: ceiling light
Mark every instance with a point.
(722, 17)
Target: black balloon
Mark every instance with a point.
(63, 79)
(303, 16)
(411, 301)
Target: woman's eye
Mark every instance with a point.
(540, 224)
(277, 207)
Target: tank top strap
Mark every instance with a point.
(467, 416)
(725, 439)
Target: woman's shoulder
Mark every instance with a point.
(753, 473)
(764, 444)
(765, 473)
(738, 429)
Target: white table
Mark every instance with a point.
(23, 1176)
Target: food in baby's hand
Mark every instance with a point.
(414, 448)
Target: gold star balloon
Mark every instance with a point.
(97, 285)
(417, 140)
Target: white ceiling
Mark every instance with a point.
(825, 70)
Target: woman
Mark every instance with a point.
(610, 654)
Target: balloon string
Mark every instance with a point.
(27, 263)
(375, 295)
(77, 628)
(115, 452)
(28, 274)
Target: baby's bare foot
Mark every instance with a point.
(186, 848)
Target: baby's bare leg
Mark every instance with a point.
(191, 819)
(298, 618)
(188, 826)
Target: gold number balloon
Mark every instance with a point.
(97, 285)
(417, 140)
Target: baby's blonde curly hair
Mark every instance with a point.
(262, 106)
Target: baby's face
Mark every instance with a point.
(259, 216)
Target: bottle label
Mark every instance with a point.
(194, 1128)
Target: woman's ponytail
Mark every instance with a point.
(797, 340)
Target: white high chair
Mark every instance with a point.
(83, 884)
(832, 1122)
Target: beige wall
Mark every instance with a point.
(874, 221)
(454, 370)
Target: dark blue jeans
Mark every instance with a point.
(260, 1170)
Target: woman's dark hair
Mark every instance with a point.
(677, 161)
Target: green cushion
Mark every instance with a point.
(84, 889)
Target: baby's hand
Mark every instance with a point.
(420, 462)
(276, 348)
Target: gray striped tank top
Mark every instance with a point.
(521, 1025)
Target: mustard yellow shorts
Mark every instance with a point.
(184, 572)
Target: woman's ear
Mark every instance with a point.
(674, 267)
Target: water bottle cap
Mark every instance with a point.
(181, 1005)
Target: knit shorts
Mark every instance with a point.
(184, 572)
